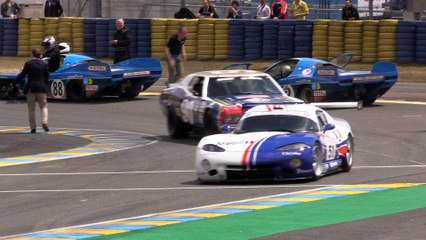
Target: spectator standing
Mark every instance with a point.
(279, 9)
(35, 88)
(299, 9)
(263, 11)
(53, 8)
(176, 54)
(234, 11)
(121, 41)
(10, 9)
(349, 12)
(207, 11)
(51, 53)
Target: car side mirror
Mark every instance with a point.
(328, 127)
(196, 90)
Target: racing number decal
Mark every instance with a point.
(331, 151)
(57, 89)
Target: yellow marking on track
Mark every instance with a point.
(32, 157)
(289, 199)
(247, 206)
(13, 130)
(8, 163)
(194, 214)
(97, 135)
(88, 231)
(402, 102)
(74, 153)
(61, 132)
(143, 222)
(339, 192)
(23, 238)
(149, 93)
(391, 185)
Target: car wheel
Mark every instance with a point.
(210, 125)
(306, 94)
(3, 89)
(368, 101)
(317, 161)
(130, 92)
(176, 127)
(76, 91)
(288, 89)
(348, 159)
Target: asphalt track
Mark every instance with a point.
(158, 177)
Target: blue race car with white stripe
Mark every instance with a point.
(291, 141)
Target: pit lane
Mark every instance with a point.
(159, 177)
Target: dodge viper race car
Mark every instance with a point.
(292, 141)
(315, 80)
(82, 77)
(213, 100)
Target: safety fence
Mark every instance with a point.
(220, 39)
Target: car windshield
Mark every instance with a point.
(230, 86)
(284, 123)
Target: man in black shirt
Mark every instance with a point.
(35, 88)
(349, 12)
(121, 41)
(53, 8)
(176, 55)
(207, 11)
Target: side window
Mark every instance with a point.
(322, 119)
(196, 85)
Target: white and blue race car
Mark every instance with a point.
(290, 141)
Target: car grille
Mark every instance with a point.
(251, 174)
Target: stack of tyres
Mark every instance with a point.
(253, 39)
(10, 37)
(89, 29)
(386, 49)
(158, 37)
(270, 40)
(51, 27)
(205, 42)
(303, 38)
(132, 24)
(370, 41)
(320, 39)
(77, 35)
(1, 38)
(406, 41)
(221, 35)
(111, 31)
(421, 42)
(191, 41)
(24, 48)
(286, 42)
(336, 38)
(37, 32)
(144, 37)
(236, 44)
(65, 31)
(102, 37)
(353, 39)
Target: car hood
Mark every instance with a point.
(257, 141)
(253, 100)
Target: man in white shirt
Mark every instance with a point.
(263, 11)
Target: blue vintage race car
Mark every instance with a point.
(315, 80)
(81, 77)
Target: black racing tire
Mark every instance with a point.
(289, 90)
(176, 127)
(128, 94)
(3, 89)
(210, 126)
(76, 91)
(368, 101)
(306, 94)
(317, 160)
(348, 159)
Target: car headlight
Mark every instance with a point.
(294, 146)
(213, 148)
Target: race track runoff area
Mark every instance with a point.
(258, 217)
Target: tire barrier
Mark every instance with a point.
(386, 49)
(320, 39)
(421, 42)
(370, 41)
(235, 39)
(353, 39)
(303, 38)
(236, 43)
(286, 34)
(336, 38)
